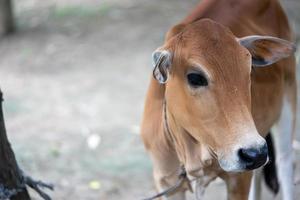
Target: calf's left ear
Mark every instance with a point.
(266, 50)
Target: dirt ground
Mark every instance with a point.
(74, 76)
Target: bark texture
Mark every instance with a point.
(6, 17)
(11, 180)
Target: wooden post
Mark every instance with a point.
(6, 17)
(10, 178)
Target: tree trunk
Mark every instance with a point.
(6, 17)
(10, 177)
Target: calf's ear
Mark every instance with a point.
(266, 50)
(161, 63)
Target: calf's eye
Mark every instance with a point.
(197, 80)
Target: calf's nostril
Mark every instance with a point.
(253, 157)
(248, 155)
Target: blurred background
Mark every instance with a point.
(74, 77)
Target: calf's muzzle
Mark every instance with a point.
(253, 158)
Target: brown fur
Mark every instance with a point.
(193, 119)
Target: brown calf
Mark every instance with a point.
(217, 90)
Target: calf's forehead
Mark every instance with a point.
(213, 47)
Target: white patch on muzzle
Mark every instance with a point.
(229, 160)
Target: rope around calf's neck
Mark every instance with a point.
(182, 175)
(171, 190)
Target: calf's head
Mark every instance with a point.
(207, 75)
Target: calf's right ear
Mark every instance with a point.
(161, 63)
(266, 50)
